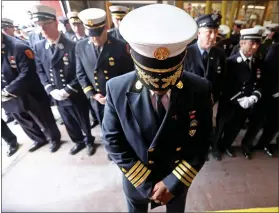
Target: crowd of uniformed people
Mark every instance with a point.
(71, 67)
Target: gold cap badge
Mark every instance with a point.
(161, 53)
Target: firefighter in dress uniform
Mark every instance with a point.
(8, 28)
(117, 14)
(204, 58)
(78, 28)
(157, 122)
(56, 66)
(99, 58)
(23, 95)
(267, 108)
(242, 90)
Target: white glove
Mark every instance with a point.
(5, 98)
(63, 93)
(243, 102)
(252, 100)
(247, 102)
(56, 95)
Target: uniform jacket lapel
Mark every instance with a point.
(91, 55)
(199, 60)
(59, 51)
(103, 55)
(141, 107)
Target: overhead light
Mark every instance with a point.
(260, 7)
(251, 6)
(196, 4)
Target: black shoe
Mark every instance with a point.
(247, 154)
(109, 158)
(77, 148)
(268, 151)
(94, 124)
(216, 155)
(36, 146)
(12, 149)
(9, 119)
(54, 146)
(230, 152)
(91, 149)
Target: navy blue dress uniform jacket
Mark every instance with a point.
(240, 80)
(58, 70)
(19, 76)
(93, 72)
(175, 153)
(270, 76)
(216, 67)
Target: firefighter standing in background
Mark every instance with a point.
(56, 66)
(242, 90)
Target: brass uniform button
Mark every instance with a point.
(150, 162)
(151, 150)
(96, 78)
(105, 71)
(178, 149)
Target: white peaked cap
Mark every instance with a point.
(223, 29)
(117, 8)
(158, 25)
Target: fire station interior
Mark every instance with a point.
(59, 182)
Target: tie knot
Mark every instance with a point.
(158, 97)
(247, 60)
(205, 53)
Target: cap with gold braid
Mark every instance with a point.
(118, 12)
(158, 43)
(73, 17)
(94, 21)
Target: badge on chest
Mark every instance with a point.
(193, 123)
(12, 62)
(66, 59)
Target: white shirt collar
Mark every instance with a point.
(168, 93)
(49, 43)
(244, 57)
(202, 50)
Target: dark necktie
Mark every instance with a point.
(248, 62)
(160, 109)
(204, 59)
(97, 51)
(52, 48)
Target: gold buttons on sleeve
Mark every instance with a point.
(151, 150)
(150, 162)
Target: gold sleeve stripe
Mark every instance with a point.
(186, 170)
(133, 169)
(136, 172)
(184, 174)
(86, 89)
(143, 178)
(139, 175)
(190, 167)
(179, 177)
